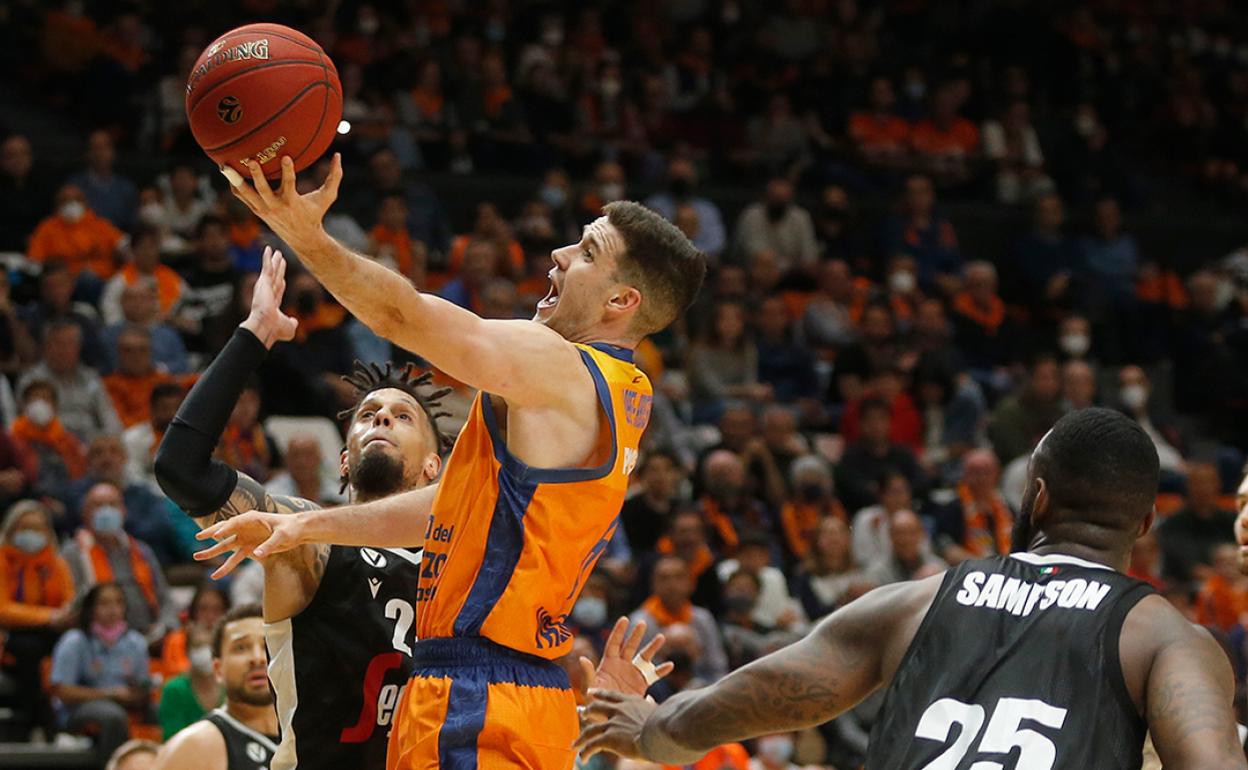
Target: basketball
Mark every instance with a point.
(262, 91)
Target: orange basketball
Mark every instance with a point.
(260, 92)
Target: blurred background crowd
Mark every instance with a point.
(934, 228)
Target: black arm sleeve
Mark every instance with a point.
(184, 466)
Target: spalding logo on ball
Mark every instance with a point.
(260, 92)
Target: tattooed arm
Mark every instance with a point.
(843, 660)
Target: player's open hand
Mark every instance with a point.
(295, 218)
(256, 534)
(616, 722)
(266, 320)
(626, 666)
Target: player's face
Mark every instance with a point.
(243, 665)
(390, 446)
(584, 289)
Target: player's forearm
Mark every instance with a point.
(397, 521)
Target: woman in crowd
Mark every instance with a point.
(190, 689)
(723, 364)
(828, 577)
(35, 594)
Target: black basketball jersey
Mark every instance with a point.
(338, 668)
(245, 749)
(1015, 667)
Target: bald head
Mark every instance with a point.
(980, 472)
(905, 530)
(722, 466)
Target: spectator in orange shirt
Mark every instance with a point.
(130, 387)
(1223, 598)
(946, 142)
(143, 265)
(391, 241)
(881, 137)
(35, 593)
(76, 234)
(489, 226)
(60, 456)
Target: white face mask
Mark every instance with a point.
(151, 214)
(1133, 396)
(778, 749)
(1224, 295)
(611, 191)
(1075, 344)
(902, 282)
(39, 412)
(72, 211)
(201, 659)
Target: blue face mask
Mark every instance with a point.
(590, 612)
(107, 520)
(30, 541)
(555, 197)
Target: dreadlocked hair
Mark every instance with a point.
(366, 378)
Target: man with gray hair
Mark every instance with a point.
(981, 330)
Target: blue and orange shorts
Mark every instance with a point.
(472, 704)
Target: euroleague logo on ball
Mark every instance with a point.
(229, 109)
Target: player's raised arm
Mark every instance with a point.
(843, 660)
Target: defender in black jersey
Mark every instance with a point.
(339, 619)
(242, 734)
(1048, 658)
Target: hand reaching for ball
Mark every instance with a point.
(295, 218)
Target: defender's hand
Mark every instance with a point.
(256, 533)
(618, 722)
(266, 320)
(295, 218)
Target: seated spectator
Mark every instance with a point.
(306, 378)
(880, 137)
(670, 604)
(774, 608)
(146, 515)
(918, 231)
(1134, 395)
(978, 524)
(144, 267)
(100, 671)
(247, 243)
(682, 182)
(591, 615)
(783, 364)
(1223, 597)
(870, 526)
(828, 577)
(1189, 536)
(827, 324)
(952, 408)
(1146, 560)
(492, 227)
(304, 475)
(608, 185)
(763, 275)
(777, 223)
(774, 752)
(783, 444)
(392, 244)
(102, 552)
(1020, 419)
(18, 348)
(723, 364)
(982, 331)
(647, 514)
(745, 637)
(59, 457)
(1012, 147)
(184, 203)
(479, 267)
(132, 384)
(134, 754)
(499, 300)
(24, 194)
(55, 303)
(946, 143)
(900, 290)
(426, 220)
(19, 470)
(82, 401)
(84, 240)
(245, 445)
(108, 193)
(813, 500)
(906, 425)
(685, 537)
(210, 283)
(35, 594)
(140, 310)
(726, 505)
(876, 351)
(1044, 262)
(191, 688)
(1111, 256)
(1074, 338)
(142, 438)
(777, 141)
(1078, 385)
(838, 228)
(872, 456)
(910, 557)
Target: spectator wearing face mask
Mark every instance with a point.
(682, 182)
(777, 223)
(774, 752)
(191, 689)
(82, 401)
(83, 239)
(591, 615)
(814, 500)
(35, 594)
(102, 552)
(1134, 394)
(59, 455)
(745, 638)
(775, 608)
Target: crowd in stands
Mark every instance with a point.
(850, 402)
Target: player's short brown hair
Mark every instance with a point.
(241, 612)
(659, 260)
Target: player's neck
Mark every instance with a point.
(1113, 558)
(262, 719)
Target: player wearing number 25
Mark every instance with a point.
(1051, 658)
(338, 620)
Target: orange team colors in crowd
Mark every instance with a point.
(508, 549)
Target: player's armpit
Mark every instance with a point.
(1189, 707)
(843, 660)
(198, 746)
(291, 579)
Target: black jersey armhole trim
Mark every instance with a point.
(1113, 642)
(928, 618)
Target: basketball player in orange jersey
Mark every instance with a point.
(532, 491)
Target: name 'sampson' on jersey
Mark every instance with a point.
(1020, 597)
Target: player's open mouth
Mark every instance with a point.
(377, 439)
(258, 678)
(551, 299)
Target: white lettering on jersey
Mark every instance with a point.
(1019, 597)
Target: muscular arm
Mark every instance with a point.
(197, 746)
(843, 660)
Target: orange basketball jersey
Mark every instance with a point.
(509, 546)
